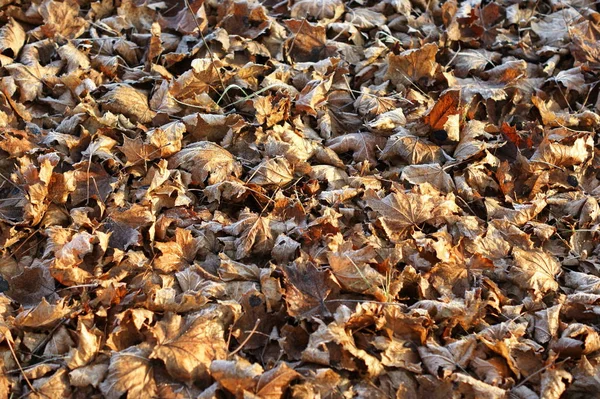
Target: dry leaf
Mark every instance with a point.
(182, 342)
(206, 160)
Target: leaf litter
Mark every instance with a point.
(301, 199)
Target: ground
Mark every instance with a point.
(299, 199)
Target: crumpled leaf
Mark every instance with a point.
(236, 376)
(12, 38)
(336, 332)
(254, 234)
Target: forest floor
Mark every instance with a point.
(299, 199)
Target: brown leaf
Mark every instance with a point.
(433, 174)
(130, 371)
(274, 171)
(236, 376)
(415, 66)
(55, 386)
(446, 107)
(188, 345)
(336, 332)
(362, 145)
(308, 41)
(254, 234)
(553, 383)
(273, 384)
(318, 10)
(535, 270)
(411, 149)
(562, 155)
(179, 253)
(307, 289)
(206, 160)
(351, 268)
(87, 349)
(124, 99)
(400, 211)
(44, 315)
(12, 38)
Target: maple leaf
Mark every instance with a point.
(467, 385)
(92, 375)
(535, 270)
(238, 377)
(31, 78)
(68, 256)
(308, 41)
(43, 315)
(245, 19)
(206, 160)
(553, 383)
(470, 60)
(336, 332)
(562, 155)
(400, 211)
(179, 253)
(351, 268)
(442, 361)
(55, 386)
(469, 145)
(61, 18)
(433, 174)
(124, 99)
(274, 171)
(188, 345)
(389, 120)
(272, 384)
(319, 9)
(130, 371)
(307, 289)
(362, 145)
(410, 66)
(444, 114)
(137, 152)
(412, 149)
(87, 349)
(373, 101)
(191, 84)
(254, 234)
(554, 28)
(32, 284)
(211, 127)
(167, 138)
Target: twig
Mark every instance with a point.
(247, 338)
(14, 355)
